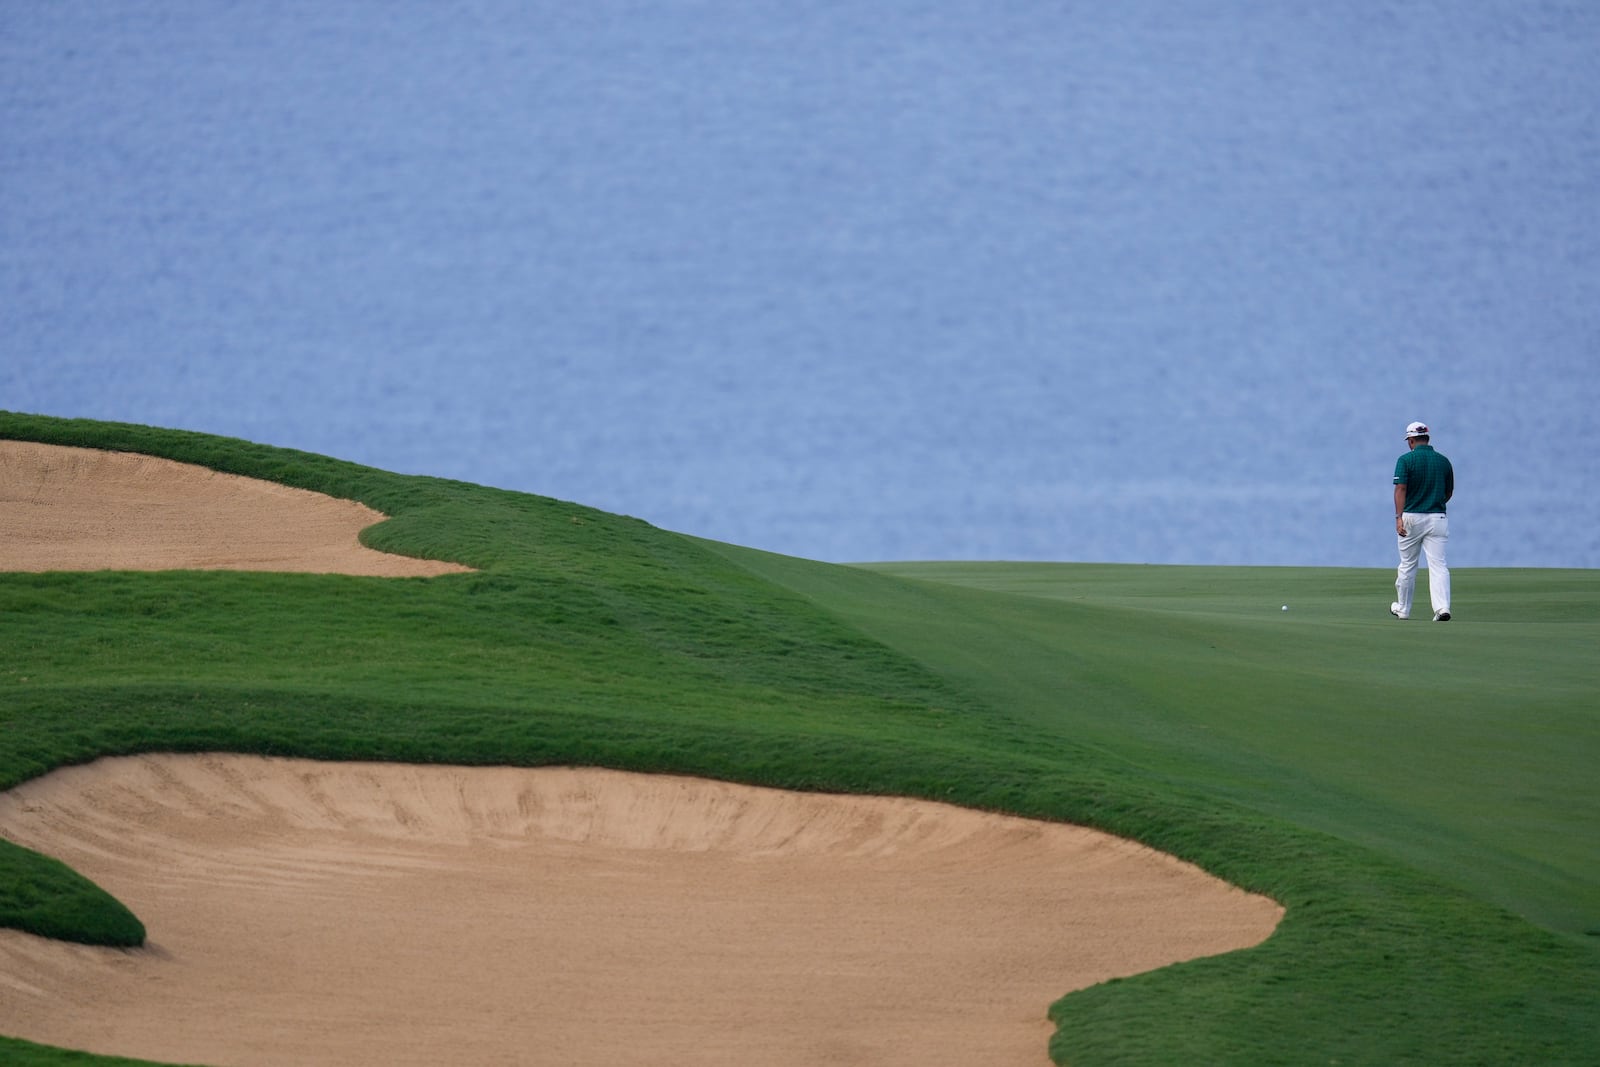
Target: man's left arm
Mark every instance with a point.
(1400, 508)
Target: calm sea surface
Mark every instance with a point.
(1145, 281)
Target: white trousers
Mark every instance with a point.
(1426, 536)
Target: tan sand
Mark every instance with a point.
(316, 913)
(83, 509)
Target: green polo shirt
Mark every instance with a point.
(1428, 479)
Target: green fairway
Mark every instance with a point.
(1418, 796)
(1467, 749)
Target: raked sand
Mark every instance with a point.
(83, 509)
(318, 913)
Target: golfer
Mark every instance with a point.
(1423, 483)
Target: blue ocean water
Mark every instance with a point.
(1155, 281)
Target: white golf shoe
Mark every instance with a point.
(1394, 609)
(1441, 616)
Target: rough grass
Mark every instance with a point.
(589, 638)
(45, 897)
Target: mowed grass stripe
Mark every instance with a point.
(1465, 748)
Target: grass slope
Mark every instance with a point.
(595, 639)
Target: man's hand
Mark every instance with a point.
(1400, 525)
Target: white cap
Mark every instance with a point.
(1417, 429)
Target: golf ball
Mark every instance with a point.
(1286, 607)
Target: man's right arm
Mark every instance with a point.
(1400, 508)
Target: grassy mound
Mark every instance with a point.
(1114, 697)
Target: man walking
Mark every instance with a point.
(1423, 483)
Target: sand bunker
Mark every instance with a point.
(83, 509)
(316, 913)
